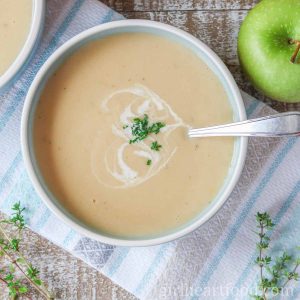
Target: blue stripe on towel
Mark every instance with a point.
(24, 189)
(123, 252)
(69, 237)
(109, 16)
(252, 107)
(242, 217)
(43, 219)
(149, 274)
(43, 57)
(10, 171)
(277, 219)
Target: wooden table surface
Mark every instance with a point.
(215, 22)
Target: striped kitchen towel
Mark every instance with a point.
(213, 262)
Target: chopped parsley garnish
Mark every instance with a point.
(155, 128)
(141, 129)
(155, 146)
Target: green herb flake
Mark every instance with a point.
(141, 129)
(149, 162)
(156, 127)
(155, 146)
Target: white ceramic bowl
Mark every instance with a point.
(101, 31)
(31, 43)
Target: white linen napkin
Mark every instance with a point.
(213, 262)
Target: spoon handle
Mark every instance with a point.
(278, 125)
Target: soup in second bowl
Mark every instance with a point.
(110, 135)
(15, 22)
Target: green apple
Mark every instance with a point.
(268, 48)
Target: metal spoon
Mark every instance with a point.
(278, 125)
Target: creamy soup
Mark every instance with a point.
(84, 122)
(15, 21)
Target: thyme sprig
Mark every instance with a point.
(17, 274)
(275, 273)
(155, 146)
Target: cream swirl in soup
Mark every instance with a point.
(83, 126)
(116, 164)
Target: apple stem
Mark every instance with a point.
(294, 57)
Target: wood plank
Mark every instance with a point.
(218, 29)
(176, 5)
